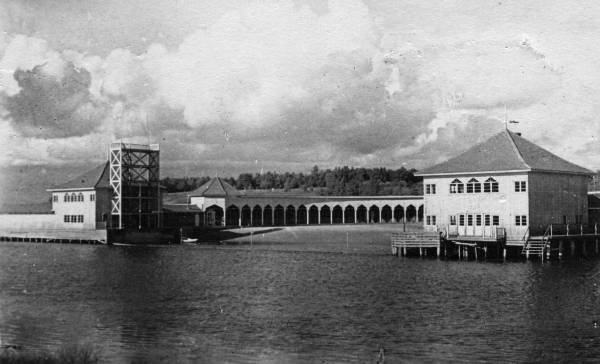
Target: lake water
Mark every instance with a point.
(285, 303)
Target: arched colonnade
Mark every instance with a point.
(282, 214)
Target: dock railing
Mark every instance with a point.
(571, 230)
(401, 242)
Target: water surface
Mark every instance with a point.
(289, 303)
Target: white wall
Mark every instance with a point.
(87, 208)
(506, 203)
(28, 222)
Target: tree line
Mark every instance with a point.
(335, 182)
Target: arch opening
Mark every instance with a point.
(301, 215)
(268, 216)
(374, 214)
(257, 216)
(278, 215)
(214, 215)
(290, 215)
(232, 216)
(386, 214)
(313, 215)
(246, 216)
(399, 213)
(325, 215)
(349, 215)
(411, 213)
(337, 215)
(361, 214)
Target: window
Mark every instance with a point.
(461, 220)
(490, 185)
(428, 220)
(79, 218)
(487, 220)
(473, 186)
(433, 222)
(54, 198)
(66, 199)
(478, 220)
(520, 186)
(565, 220)
(496, 220)
(93, 197)
(66, 218)
(430, 189)
(73, 197)
(452, 220)
(521, 220)
(457, 186)
(469, 220)
(578, 219)
(80, 197)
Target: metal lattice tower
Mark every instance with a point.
(135, 183)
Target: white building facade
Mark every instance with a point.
(506, 185)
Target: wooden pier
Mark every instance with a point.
(402, 242)
(60, 236)
(561, 240)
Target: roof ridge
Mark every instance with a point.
(516, 148)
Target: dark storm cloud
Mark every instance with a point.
(51, 107)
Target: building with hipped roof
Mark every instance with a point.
(507, 183)
(83, 202)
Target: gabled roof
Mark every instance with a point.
(96, 178)
(505, 151)
(216, 187)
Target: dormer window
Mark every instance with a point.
(457, 186)
(473, 186)
(490, 185)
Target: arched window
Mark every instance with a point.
(490, 185)
(73, 197)
(473, 186)
(66, 199)
(80, 197)
(457, 186)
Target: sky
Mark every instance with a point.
(245, 86)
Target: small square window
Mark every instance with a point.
(524, 220)
(523, 186)
(461, 220)
(470, 220)
(478, 220)
(433, 189)
(433, 220)
(487, 220)
(518, 220)
(428, 219)
(496, 220)
(66, 218)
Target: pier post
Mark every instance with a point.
(466, 253)
(420, 251)
(504, 254)
(437, 251)
(404, 250)
(527, 255)
(485, 252)
(560, 249)
(475, 250)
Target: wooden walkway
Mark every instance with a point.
(401, 242)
